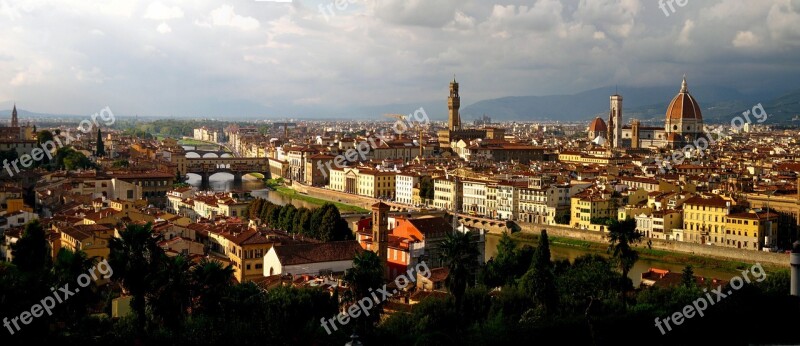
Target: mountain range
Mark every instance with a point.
(719, 104)
(649, 104)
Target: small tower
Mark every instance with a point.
(615, 121)
(453, 104)
(14, 120)
(380, 231)
(635, 134)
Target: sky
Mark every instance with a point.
(310, 58)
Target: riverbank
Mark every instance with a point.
(677, 258)
(343, 208)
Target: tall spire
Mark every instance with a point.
(14, 121)
(684, 87)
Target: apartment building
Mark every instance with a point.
(704, 219)
(753, 230)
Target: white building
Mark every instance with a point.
(404, 185)
(544, 203)
(445, 193)
(312, 259)
(474, 197)
(507, 201)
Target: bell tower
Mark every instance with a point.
(453, 104)
(615, 121)
(380, 232)
(14, 120)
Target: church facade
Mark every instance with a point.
(683, 124)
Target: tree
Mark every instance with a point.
(499, 270)
(327, 226)
(32, 251)
(124, 163)
(101, 147)
(539, 281)
(367, 274)
(136, 257)
(620, 237)
(254, 208)
(287, 216)
(210, 281)
(460, 255)
(169, 297)
(305, 222)
(687, 277)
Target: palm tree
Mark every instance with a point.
(460, 255)
(210, 282)
(169, 299)
(621, 236)
(136, 257)
(367, 274)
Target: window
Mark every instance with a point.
(248, 267)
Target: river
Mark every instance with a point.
(224, 182)
(641, 266)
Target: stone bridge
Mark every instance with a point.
(202, 153)
(238, 166)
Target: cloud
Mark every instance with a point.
(261, 58)
(164, 28)
(225, 16)
(159, 11)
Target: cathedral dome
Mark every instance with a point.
(684, 106)
(598, 125)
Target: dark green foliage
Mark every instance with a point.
(539, 281)
(687, 277)
(509, 264)
(101, 147)
(367, 274)
(324, 223)
(460, 255)
(69, 159)
(32, 251)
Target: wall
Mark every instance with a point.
(668, 245)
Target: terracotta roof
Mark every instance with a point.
(598, 125)
(432, 227)
(319, 252)
(684, 106)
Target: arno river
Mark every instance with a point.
(224, 182)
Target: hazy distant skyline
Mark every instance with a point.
(246, 58)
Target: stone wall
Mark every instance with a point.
(331, 195)
(746, 256)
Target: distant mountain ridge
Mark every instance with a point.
(648, 103)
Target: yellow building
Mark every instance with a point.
(245, 248)
(579, 157)
(363, 182)
(751, 231)
(704, 219)
(91, 239)
(592, 204)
